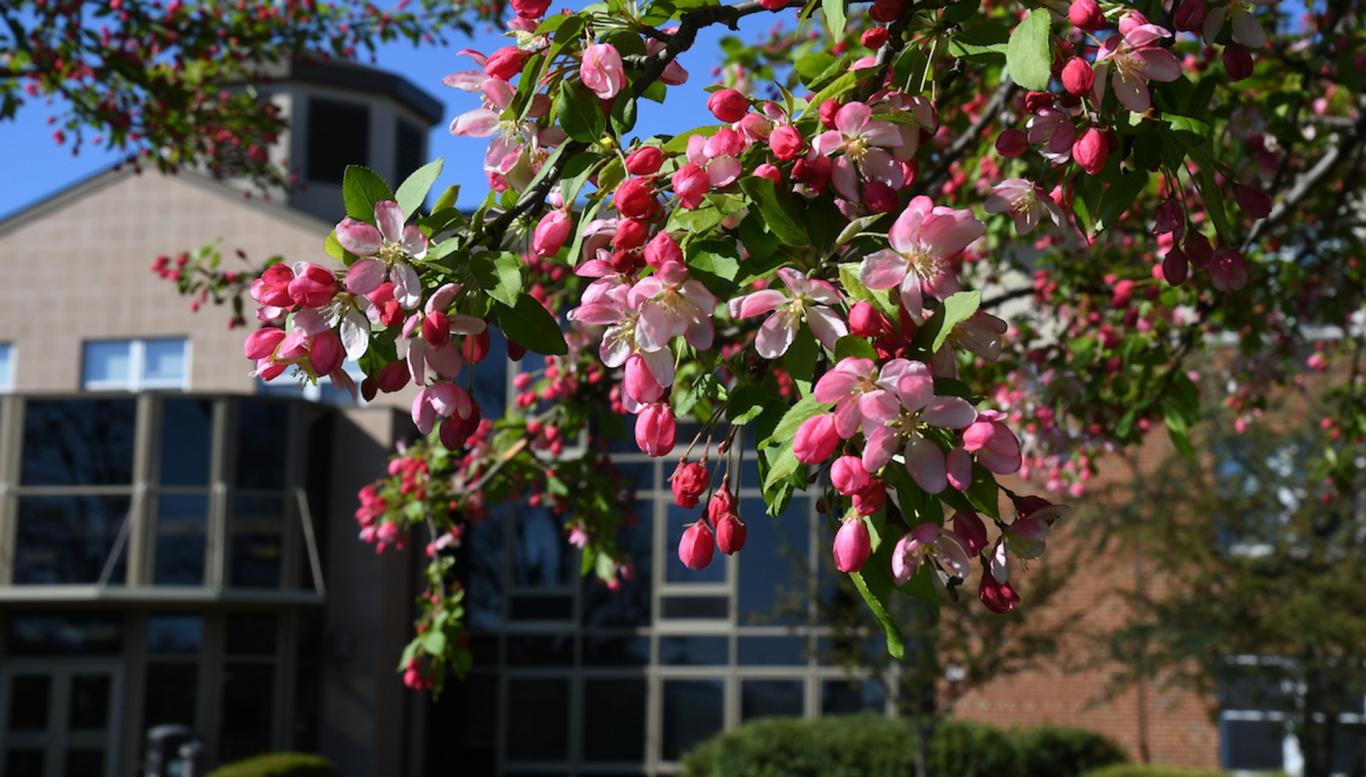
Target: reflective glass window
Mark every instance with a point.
(42, 635)
(68, 539)
(170, 693)
(773, 567)
(107, 363)
(246, 712)
(186, 441)
(1253, 745)
(693, 651)
(538, 719)
(251, 634)
(78, 442)
(174, 634)
(181, 523)
(164, 362)
(693, 712)
(771, 698)
(88, 707)
(28, 702)
(255, 541)
(840, 697)
(6, 367)
(614, 719)
(262, 443)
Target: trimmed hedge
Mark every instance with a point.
(869, 744)
(1149, 770)
(277, 765)
(1066, 751)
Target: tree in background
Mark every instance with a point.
(1256, 559)
(163, 81)
(924, 245)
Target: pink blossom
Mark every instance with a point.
(981, 334)
(655, 429)
(691, 185)
(862, 145)
(1228, 270)
(672, 305)
(993, 443)
(851, 385)
(806, 300)
(444, 359)
(387, 250)
(1024, 202)
(928, 541)
(1130, 61)
(816, 439)
(602, 70)
(853, 545)
(439, 400)
(551, 232)
(923, 240)
(1053, 129)
(900, 418)
(848, 476)
(1247, 30)
(695, 547)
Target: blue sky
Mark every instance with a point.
(36, 166)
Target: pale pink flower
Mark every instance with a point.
(719, 155)
(862, 145)
(439, 400)
(613, 309)
(1052, 128)
(386, 251)
(671, 304)
(1247, 30)
(602, 70)
(851, 385)
(1131, 61)
(980, 334)
(899, 419)
(928, 541)
(806, 300)
(444, 360)
(1025, 203)
(923, 240)
(992, 442)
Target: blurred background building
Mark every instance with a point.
(177, 542)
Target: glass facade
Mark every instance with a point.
(133, 365)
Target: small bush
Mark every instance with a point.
(1066, 752)
(1149, 770)
(838, 746)
(276, 765)
(971, 750)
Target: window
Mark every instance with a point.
(133, 365)
(338, 135)
(407, 150)
(6, 367)
(247, 685)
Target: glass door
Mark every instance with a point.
(59, 719)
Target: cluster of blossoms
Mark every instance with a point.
(821, 269)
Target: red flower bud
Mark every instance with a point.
(475, 347)
(1090, 150)
(436, 329)
(786, 142)
(689, 481)
(867, 321)
(696, 546)
(1086, 15)
(1011, 143)
(816, 439)
(874, 38)
(1077, 76)
(730, 533)
(631, 234)
(1254, 202)
(634, 198)
(885, 11)
(728, 105)
(1228, 270)
(770, 172)
(1198, 249)
(1237, 61)
(852, 546)
(1190, 15)
(848, 475)
(997, 596)
(505, 63)
(645, 160)
(1175, 266)
(827, 113)
(878, 197)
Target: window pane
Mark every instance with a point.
(28, 702)
(247, 691)
(544, 556)
(484, 599)
(695, 608)
(107, 362)
(89, 708)
(407, 149)
(551, 607)
(84, 762)
(163, 361)
(255, 541)
(1254, 745)
(773, 567)
(186, 441)
(181, 519)
(67, 539)
(24, 762)
(614, 719)
(170, 694)
(338, 135)
(262, 443)
(41, 635)
(538, 719)
(174, 634)
(839, 697)
(616, 651)
(629, 605)
(772, 651)
(540, 650)
(6, 367)
(693, 651)
(251, 635)
(771, 698)
(78, 442)
(677, 520)
(693, 711)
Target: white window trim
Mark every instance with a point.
(137, 362)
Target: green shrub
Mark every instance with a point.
(853, 746)
(276, 765)
(1066, 752)
(1148, 770)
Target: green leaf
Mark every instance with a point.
(760, 244)
(1029, 57)
(983, 493)
(1121, 194)
(793, 418)
(361, 189)
(746, 403)
(896, 645)
(577, 170)
(530, 325)
(811, 66)
(854, 346)
(413, 191)
(434, 642)
(778, 209)
(611, 175)
(800, 360)
(500, 277)
(1214, 203)
(579, 113)
(834, 16)
(981, 37)
(782, 467)
(957, 309)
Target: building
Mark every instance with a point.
(177, 542)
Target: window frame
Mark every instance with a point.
(137, 366)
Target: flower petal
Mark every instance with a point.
(358, 237)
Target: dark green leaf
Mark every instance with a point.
(854, 346)
(780, 213)
(579, 113)
(1117, 199)
(413, 191)
(530, 325)
(896, 645)
(361, 189)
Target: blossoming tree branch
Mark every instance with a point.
(932, 259)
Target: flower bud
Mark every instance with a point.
(689, 481)
(530, 9)
(655, 429)
(475, 347)
(816, 439)
(1077, 76)
(885, 11)
(770, 172)
(436, 328)
(393, 377)
(325, 352)
(272, 288)
(551, 233)
(505, 63)
(874, 38)
(645, 160)
(696, 546)
(730, 533)
(970, 531)
(1086, 15)
(1037, 101)
(1237, 61)
(661, 250)
(852, 546)
(261, 343)
(871, 498)
(997, 596)
(1254, 202)
(1189, 16)
(1175, 266)
(1228, 270)
(878, 197)
(827, 113)
(865, 320)
(848, 475)
(1011, 143)
(786, 142)
(1198, 249)
(690, 185)
(773, 5)
(728, 105)
(634, 198)
(631, 234)
(1091, 150)
(313, 286)
(639, 382)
